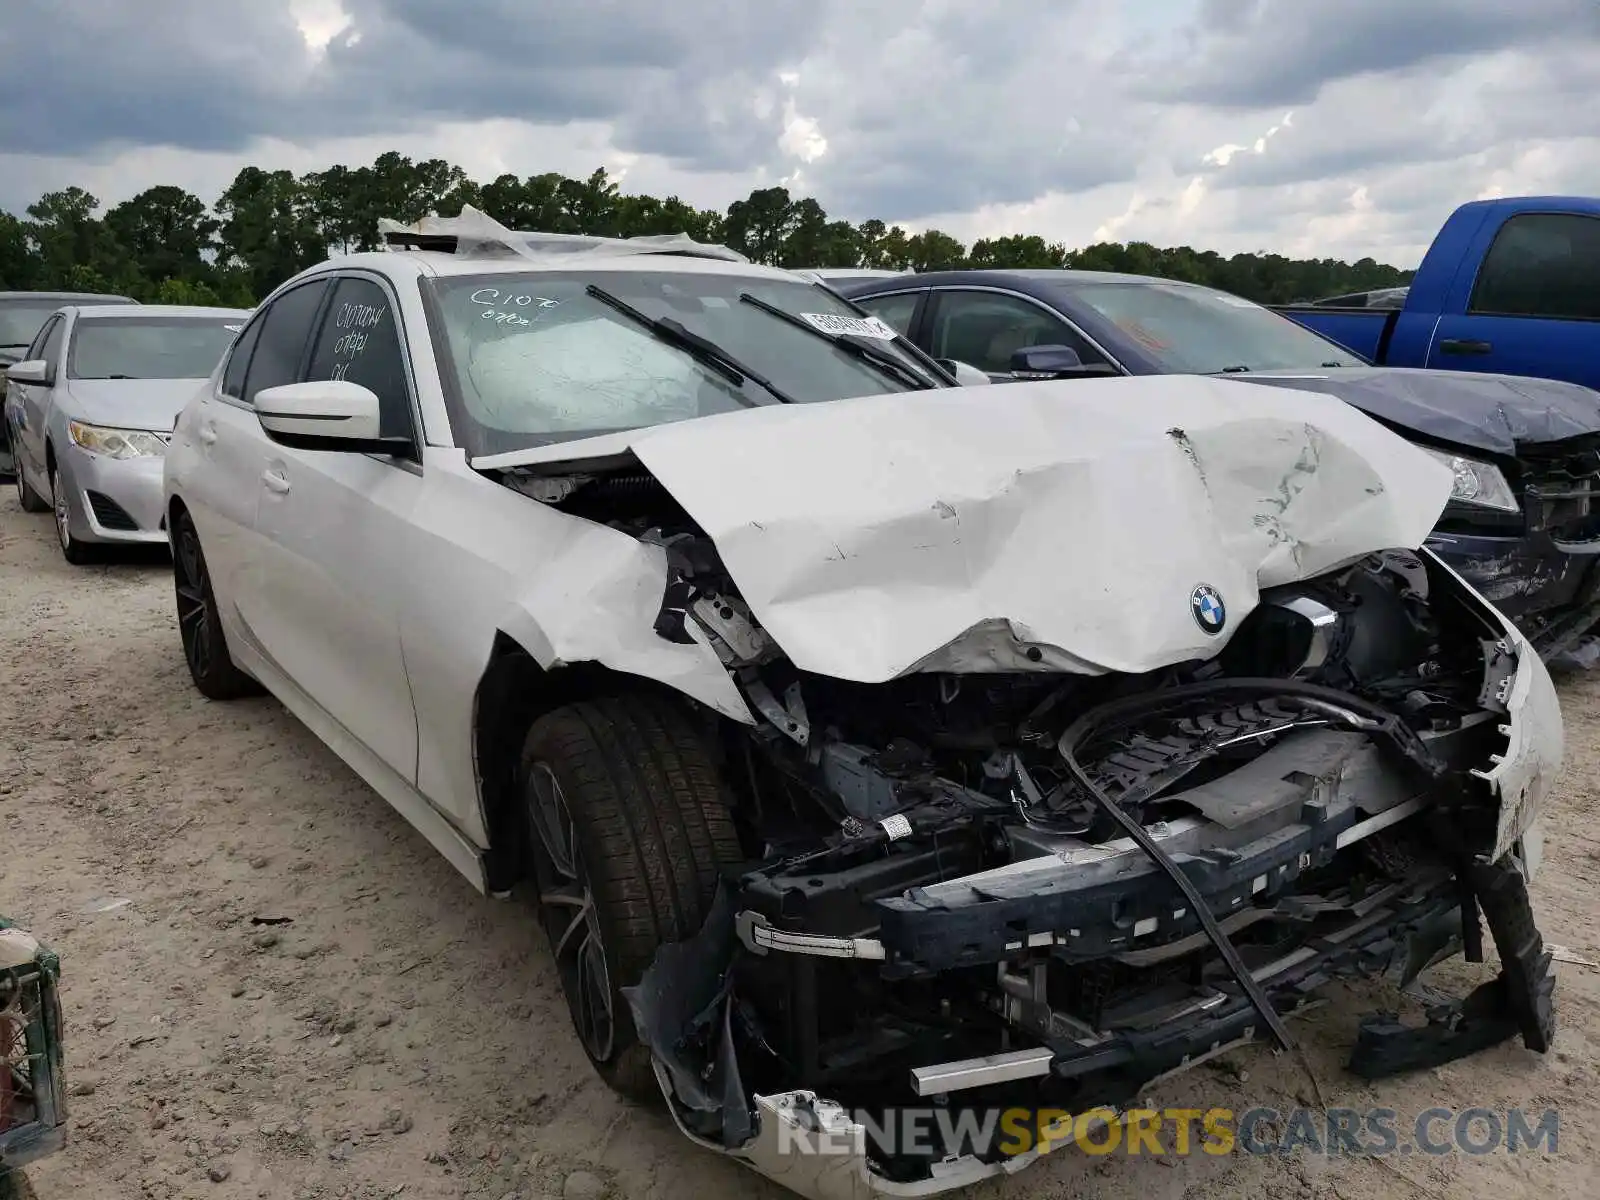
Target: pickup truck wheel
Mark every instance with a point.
(627, 826)
(205, 646)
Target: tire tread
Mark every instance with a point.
(655, 829)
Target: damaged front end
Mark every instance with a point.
(985, 889)
(1539, 561)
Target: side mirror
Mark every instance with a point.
(328, 414)
(1053, 362)
(32, 370)
(965, 374)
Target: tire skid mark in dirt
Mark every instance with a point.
(403, 1030)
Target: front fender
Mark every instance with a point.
(601, 606)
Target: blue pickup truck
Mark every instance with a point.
(1509, 287)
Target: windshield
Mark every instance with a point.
(149, 347)
(20, 322)
(537, 358)
(1191, 330)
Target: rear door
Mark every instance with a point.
(1533, 307)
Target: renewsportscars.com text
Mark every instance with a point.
(1184, 1131)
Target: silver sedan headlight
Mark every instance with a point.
(1477, 483)
(115, 443)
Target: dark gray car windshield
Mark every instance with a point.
(21, 320)
(149, 347)
(1192, 330)
(535, 358)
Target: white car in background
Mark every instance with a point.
(90, 407)
(849, 725)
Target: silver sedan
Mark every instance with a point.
(90, 409)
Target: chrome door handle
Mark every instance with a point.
(275, 482)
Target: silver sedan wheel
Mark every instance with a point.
(58, 496)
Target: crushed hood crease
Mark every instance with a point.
(1496, 413)
(960, 529)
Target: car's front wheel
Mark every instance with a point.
(628, 827)
(75, 552)
(205, 646)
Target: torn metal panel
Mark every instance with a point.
(598, 601)
(933, 531)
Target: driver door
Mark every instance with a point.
(335, 531)
(985, 328)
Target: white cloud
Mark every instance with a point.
(802, 136)
(1351, 130)
(320, 21)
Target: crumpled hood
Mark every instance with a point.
(1059, 525)
(130, 403)
(1495, 413)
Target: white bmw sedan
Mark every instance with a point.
(870, 743)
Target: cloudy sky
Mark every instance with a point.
(1311, 127)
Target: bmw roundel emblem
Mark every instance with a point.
(1205, 602)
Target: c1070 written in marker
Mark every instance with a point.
(839, 324)
(506, 308)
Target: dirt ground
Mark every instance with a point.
(402, 1035)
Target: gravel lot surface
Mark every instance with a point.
(400, 1035)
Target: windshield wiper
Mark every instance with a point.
(702, 350)
(1241, 369)
(852, 344)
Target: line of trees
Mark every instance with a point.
(167, 245)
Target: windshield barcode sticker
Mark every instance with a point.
(837, 325)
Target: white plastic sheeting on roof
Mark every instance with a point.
(479, 235)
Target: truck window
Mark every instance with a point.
(1542, 265)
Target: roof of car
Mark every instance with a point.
(474, 243)
(1023, 278)
(143, 311)
(64, 298)
(444, 263)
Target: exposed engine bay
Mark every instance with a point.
(1047, 889)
